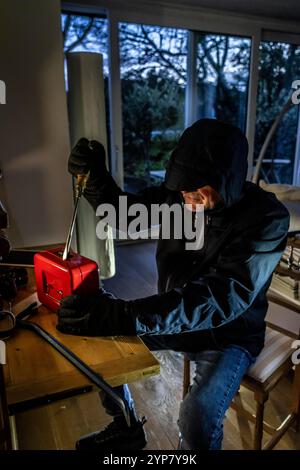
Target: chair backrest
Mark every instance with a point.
(283, 316)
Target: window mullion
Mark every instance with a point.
(296, 175)
(252, 98)
(116, 160)
(191, 85)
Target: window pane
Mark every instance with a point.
(85, 33)
(153, 74)
(82, 33)
(278, 68)
(222, 77)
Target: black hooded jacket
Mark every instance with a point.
(218, 291)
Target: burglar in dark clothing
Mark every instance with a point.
(211, 303)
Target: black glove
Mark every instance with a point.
(95, 315)
(88, 156)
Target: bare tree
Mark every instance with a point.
(144, 48)
(84, 33)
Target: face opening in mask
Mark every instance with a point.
(205, 195)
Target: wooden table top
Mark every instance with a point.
(34, 369)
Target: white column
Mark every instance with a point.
(88, 119)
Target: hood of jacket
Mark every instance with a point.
(210, 152)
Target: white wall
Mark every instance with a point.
(34, 140)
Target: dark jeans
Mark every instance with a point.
(219, 371)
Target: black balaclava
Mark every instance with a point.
(210, 152)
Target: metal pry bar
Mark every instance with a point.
(81, 181)
(93, 376)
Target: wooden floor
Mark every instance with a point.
(59, 425)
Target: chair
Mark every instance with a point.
(273, 363)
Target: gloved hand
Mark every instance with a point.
(88, 156)
(95, 315)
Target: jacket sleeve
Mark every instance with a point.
(224, 292)
(106, 191)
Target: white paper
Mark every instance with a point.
(2, 352)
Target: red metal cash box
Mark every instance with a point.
(56, 278)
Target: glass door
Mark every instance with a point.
(153, 81)
(222, 77)
(279, 65)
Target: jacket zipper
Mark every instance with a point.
(207, 220)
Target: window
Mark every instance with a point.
(222, 77)
(153, 80)
(153, 71)
(86, 34)
(82, 33)
(278, 68)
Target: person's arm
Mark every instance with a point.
(223, 293)
(101, 188)
(211, 300)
